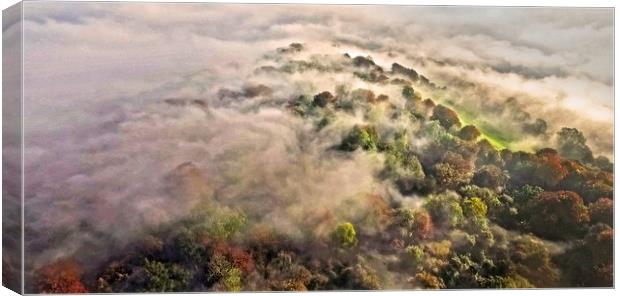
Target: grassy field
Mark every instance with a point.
(498, 139)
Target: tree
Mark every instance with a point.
(572, 145)
(445, 209)
(557, 215)
(515, 215)
(237, 256)
(364, 95)
(531, 259)
(422, 225)
(414, 224)
(164, 277)
(360, 61)
(469, 133)
(590, 183)
(360, 277)
(414, 255)
(544, 169)
(599, 242)
(590, 262)
(222, 274)
(408, 93)
(604, 164)
(548, 168)
(427, 280)
(474, 208)
(284, 274)
(490, 176)
(602, 211)
(538, 127)
(402, 165)
(487, 154)
(345, 235)
(461, 272)
(324, 98)
(453, 171)
(364, 137)
(62, 276)
(446, 117)
(399, 69)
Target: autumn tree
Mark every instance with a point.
(548, 168)
(469, 133)
(602, 211)
(453, 171)
(590, 183)
(446, 117)
(62, 276)
(413, 224)
(222, 274)
(284, 273)
(544, 169)
(557, 215)
(428, 280)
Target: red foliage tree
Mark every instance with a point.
(557, 215)
(591, 184)
(62, 276)
(549, 170)
(237, 256)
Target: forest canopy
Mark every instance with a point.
(465, 214)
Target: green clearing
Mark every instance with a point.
(498, 139)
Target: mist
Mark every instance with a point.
(137, 113)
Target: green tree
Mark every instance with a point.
(572, 145)
(408, 92)
(222, 274)
(445, 209)
(345, 235)
(365, 137)
(164, 277)
(474, 208)
(414, 256)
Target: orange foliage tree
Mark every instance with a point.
(62, 276)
